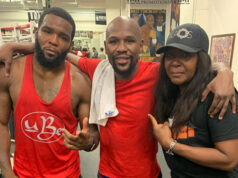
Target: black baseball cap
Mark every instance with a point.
(188, 37)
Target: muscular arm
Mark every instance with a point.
(88, 136)
(5, 108)
(73, 59)
(22, 48)
(83, 112)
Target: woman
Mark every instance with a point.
(194, 144)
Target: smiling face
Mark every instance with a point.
(180, 66)
(53, 40)
(123, 44)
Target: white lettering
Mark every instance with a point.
(42, 127)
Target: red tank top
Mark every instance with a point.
(40, 150)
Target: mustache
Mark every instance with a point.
(52, 49)
(114, 57)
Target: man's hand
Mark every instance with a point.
(6, 57)
(7, 51)
(223, 88)
(161, 132)
(81, 141)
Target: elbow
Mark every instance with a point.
(229, 166)
(232, 166)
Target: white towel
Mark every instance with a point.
(103, 102)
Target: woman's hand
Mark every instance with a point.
(161, 132)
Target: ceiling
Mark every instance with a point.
(15, 5)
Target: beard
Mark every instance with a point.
(49, 64)
(124, 72)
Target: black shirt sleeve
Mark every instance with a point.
(225, 129)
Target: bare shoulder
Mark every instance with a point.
(77, 74)
(80, 91)
(80, 81)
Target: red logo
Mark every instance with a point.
(42, 127)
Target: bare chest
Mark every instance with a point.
(47, 90)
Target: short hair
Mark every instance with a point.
(60, 13)
(94, 48)
(101, 49)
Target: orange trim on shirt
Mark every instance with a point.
(185, 133)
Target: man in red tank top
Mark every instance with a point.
(48, 95)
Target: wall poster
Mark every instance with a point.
(152, 24)
(222, 47)
(175, 14)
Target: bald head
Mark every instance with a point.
(123, 45)
(124, 23)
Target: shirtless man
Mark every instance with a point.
(47, 95)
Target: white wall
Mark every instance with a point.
(222, 20)
(216, 17)
(86, 21)
(186, 12)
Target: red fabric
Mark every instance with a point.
(127, 148)
(83, 53)
(88, 65)
(40, 150)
